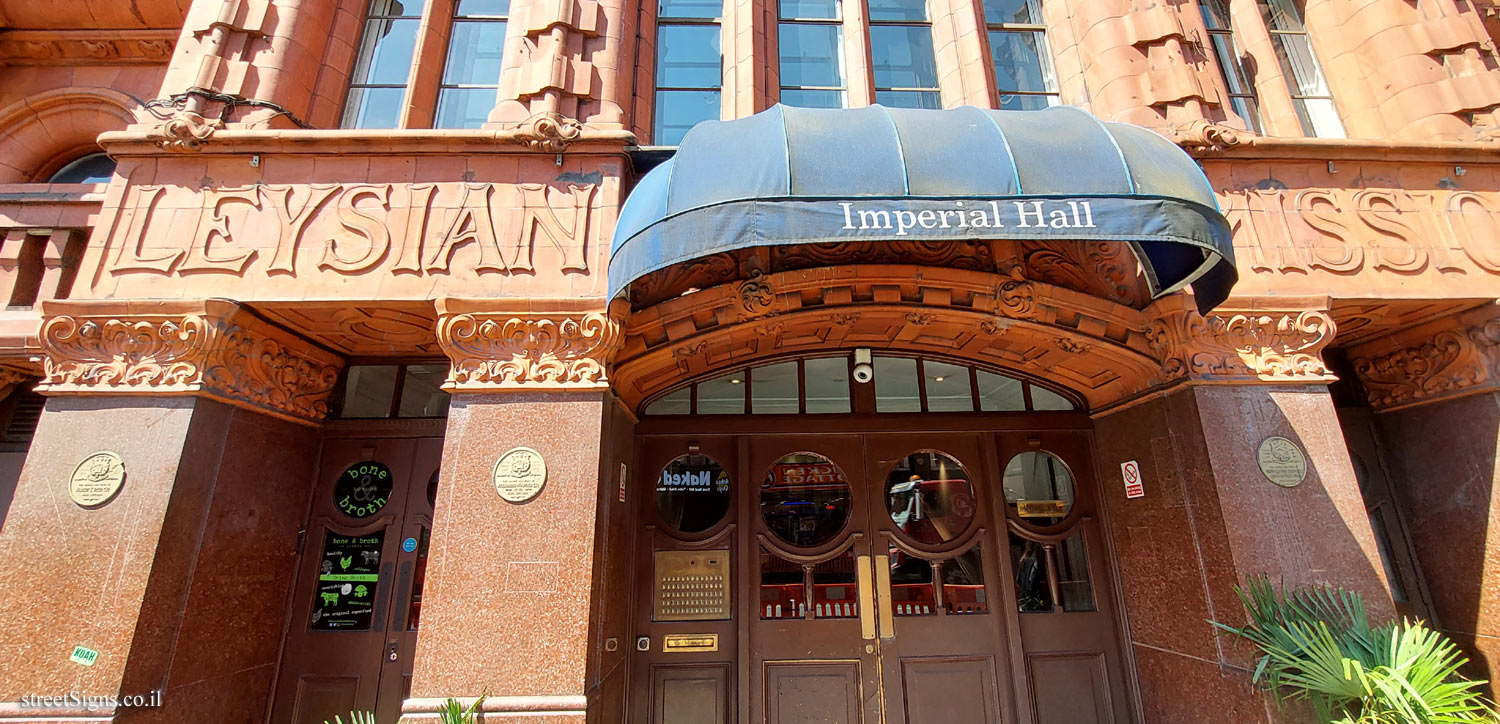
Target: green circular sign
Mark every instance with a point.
(363, 489)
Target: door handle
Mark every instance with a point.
(866, 598)
(883, 596)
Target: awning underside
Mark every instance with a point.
(801, 176)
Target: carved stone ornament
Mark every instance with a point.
(185, 131)
(1248, 346)
(211, 349)
(1448, 358)
(1203, 136)
(496, 349)
(548, 132)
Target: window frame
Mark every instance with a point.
(869, 32)
(454, 21)
(1224, 45)
(1298, 98)
(357, 57)
(657, 88)
(841, 62)
(1044, 58)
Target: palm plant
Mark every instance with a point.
(453, 712)
(1317, 644)
(355, 717)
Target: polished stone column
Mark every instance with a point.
(180, 580)
(510, 584)
(1210, 517)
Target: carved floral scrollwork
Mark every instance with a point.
(495, 352)
(1203, 136)
(756, 295)
(210, 351)
(1451, 361)
(185, 131)
(1016, 296)
(548, 132)
(1264, 346)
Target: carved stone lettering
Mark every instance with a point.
(377, 240)
(213, 224)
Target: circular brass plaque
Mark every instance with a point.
(97, 479)
(1282, 462)
(520, 474)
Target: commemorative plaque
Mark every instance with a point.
(97, 479)
(1282, 462)
(520, 474)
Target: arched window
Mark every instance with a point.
(91, 169)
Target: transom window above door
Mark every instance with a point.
(832, 385)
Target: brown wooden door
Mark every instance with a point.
(1408, 590)
(353, 622)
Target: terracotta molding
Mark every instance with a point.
(210, 348)
(1241, 344)
(1251, 146)
(546, 133)
(1447, 358)
(519, 345)
(86, 47)
(1204, 137)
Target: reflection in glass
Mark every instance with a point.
(471, 76)
(1039, 486)
(773, 388)
(902, 56)
(1073, 575)
(699, 9)
(805, 499)
(999, 394)
(803, 98)
(677, 402)
(809, 9)
(811, 55)
(1231, 68)
(963, 583)
(896, 385)
(1045, 399)
(722, 395)
(1029, 562)
(94, 168)
(378, 82)
(947, 387)
(782, 589)
(1015, 12)
(692, 493)
(688, 56)
(834, 591)
(827, 384)
(898, 10)
(422, 392)
(368, 390)
(929, 497)
(911, 585)
(1304, 77)
(677, 111)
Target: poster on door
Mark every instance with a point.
(348, 578)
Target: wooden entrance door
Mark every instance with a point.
(357, 601)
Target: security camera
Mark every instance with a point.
(863, 373)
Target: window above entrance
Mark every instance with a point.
(827, 385)
(392, 390)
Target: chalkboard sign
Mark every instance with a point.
(348, 582)
(363, 489)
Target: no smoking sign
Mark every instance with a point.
(1131, 471)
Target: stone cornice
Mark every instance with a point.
(1207, 140)
(210, 348)
(85, 47)
(544, 133)
(510, 345)
(1446, 358)
(1274, 343)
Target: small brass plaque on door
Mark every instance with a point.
(690, 642)
(691, 586)
(1041, 508)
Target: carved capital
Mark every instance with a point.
(1249, 345)
(504, 346)
(1446, 358)
(548, 132)
(211, 349)
(1202, 136)
(185, 131)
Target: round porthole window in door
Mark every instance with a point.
(363, 489)
(929, 497)
(805, 499)
(692, 493)
(1039, 487)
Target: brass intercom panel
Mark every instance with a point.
(691, 586)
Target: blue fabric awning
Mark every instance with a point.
(802, 175)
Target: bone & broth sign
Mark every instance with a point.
(347, 582)
(363, 489)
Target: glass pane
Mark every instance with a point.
(1297, 59)
(678, 402)
(692, 493)
(1045, 399)
(805, 499)
(723, 395)
(385, 52)
(690, 9)
(773, 388)
(1029, 561)
(963, 583)
(402, 8)
(811, 55)
(678, 111)
(947, 387)
(482, 9)
(827, 384)
(687, 56)
(1039, 486)
(911, 585)
(810, 9)
(348, 582)
(929, 497)
(1073, 575)
(1281, 15)
(91, 169)
(464, 107)
(368, 390)
(1019, 65)
(781, 587)
(896, 385)
(1319, 117)
(1024, 12)
(812, 98)
(1018, 102)
(834, 589)
(910, 99)
(422, 392)
(373, 107)
(1248, 111)
(418, 581)
(474, 51)
(998, 393)
(1215, 14)
(898, 10)
(902, 56)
